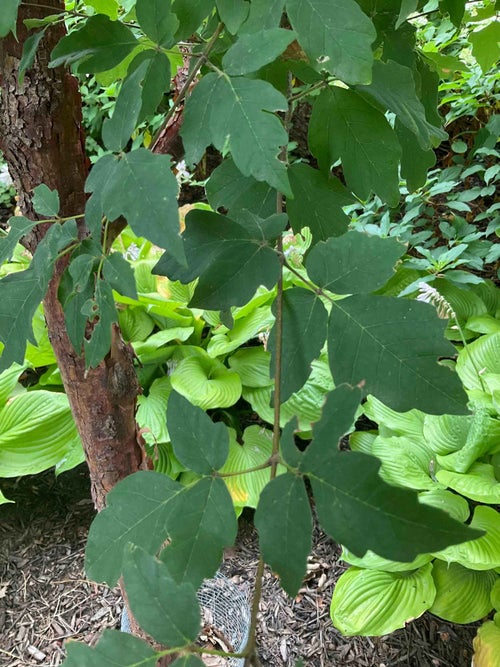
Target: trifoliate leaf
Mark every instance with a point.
(46, 201)
(253, 51)
(157, 21)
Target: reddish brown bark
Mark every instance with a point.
(43, 142)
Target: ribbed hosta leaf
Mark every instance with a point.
(206, 382)
(152, 411)
(478, 483)
(243, 330)
(3, 499)
(446, 433)
(408, 424)
(362, 441)
(456, 506)
(462, 595)
(37, 431)
(480, 554)
(252, 365)
(371, 561)
(487, 645)
(484, 355)
(256, 450)
(405, 462)
(8, 380)
(370, 602)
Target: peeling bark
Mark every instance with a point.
(43, 142)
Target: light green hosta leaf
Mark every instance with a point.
(228, 188)
(245, 328)
(487, 645)
(343, 125)
(199, 443)
(98, 45)
(317, 202)
(41, 353)
(135, 324)
(252, 365)
(37, 431)
(478, 483)
(138, 511)
(393, 86)
(108, 7)
(484, 324)
(284, 523)
(113, 648)
(206, 382)
(495, 594)
(369, 602)
(481, 355)
(405, 462)
(337, 36)
(202, 524)
(3, 499)
(232, 114)
(446, 433)
(252, 51)
(371, 561)
(156, 348)
(465, 303)
(483, 437)
(353, 263)
(362, 441)
(409, 424)
(462, 595)
(456, 506)
(8, 381)
(304, 320)
(482, 553)
(152, 411)
(256, 449)
(168, 611)
(393, 345)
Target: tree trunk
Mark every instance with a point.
(43, 142)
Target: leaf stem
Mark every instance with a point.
(262, 466)
(192, 76)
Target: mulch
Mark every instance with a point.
(46, 600)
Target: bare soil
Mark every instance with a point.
(46, 600)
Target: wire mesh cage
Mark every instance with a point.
(225, 613)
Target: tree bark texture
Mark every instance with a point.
(43, 142)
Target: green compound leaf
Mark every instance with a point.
(203, 524)
(343, 125)
(485, 45)
(462, 595)
(117, 130)
(199, 443)
(353, 263)
(317, 203)
(253, 51)
(157, 21)
(46, 201)
(284, 523)
(138, 510)
(8, 17)
(393, 345)
(232, 259)
(370, 602)
(30, 47)
(190, 14)
(415, 162)
(304, 332)
(156, 80)
(119, 274)
(232, 13)
(359, 510)
(168, 611)
(140, 186)
(37, 431)
(99, 45)
(393, 86)
(232, 114)
(103, 307)
(75, 289)
(21, 293)
(113, 648)
(204, 381)
(336, 35)
(480, 554)
(228, 188)
(263, 14)
(18, 227)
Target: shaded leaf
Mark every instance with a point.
(99, 44)
(19, 227)
(199, 443)
(190, 14)
(354, 262)
(113, 648)
(263, 15)
(29, 52)
(336, 35)
(102, 306)
(8, 17)
(119, 274)
(157, 21)
(168, 611)
(284, 522)
(45, 201)
(203, 524)
(485, 45)
(138, 510)
(343, 125)
(156, 81)
(392, 345)
(254, 50)
(415, 162)
(232, 114)
(232, 13)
